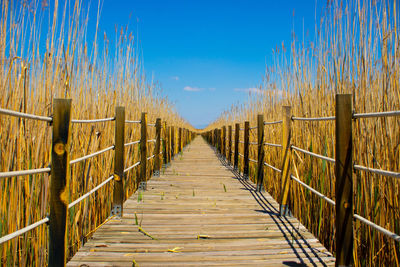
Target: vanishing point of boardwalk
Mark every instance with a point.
(200, 213)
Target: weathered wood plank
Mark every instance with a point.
(209, 216)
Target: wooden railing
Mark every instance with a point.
(168, 140)
(343, 162)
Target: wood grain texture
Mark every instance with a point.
(203, 211)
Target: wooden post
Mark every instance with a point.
(118, 194)
(236, 155)
(230, 144)
(224, 141)
(180, 140)
(165, 143)
(173, 142)
(285, 178)
(157, 162)
(260, 154)
(58, 184)
(143, 152)
(220, 140)
(344, 181)
(246, 150)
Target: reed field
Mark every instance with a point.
(38, 62)
(356, 50)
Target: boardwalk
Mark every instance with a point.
(199, 213)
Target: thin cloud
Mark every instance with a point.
(251, 90)
(192, 89)
(175, 78)
(212, 89)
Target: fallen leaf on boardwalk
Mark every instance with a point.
(175, 250)
(134, 264)
(203, 236)
(140, 229)
(283, 252)
(101, 246)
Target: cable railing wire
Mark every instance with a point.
(19, 232)
(131, 167)
(93, 120)
(132, 143)
(91, 155)
(253, 160)
(376, 114)
(330, 201)
(152, 156)
(313, 154)
(252, 128)
(394, 236)
(24, 172)
(271, 144)
(241, 155)
(151, 124)
(272, 122)
(151, 141)
(24, 115)
(253, 143)
(331, 118)
(129, 121)
(378, 171)
(73, 203)
(272, 167)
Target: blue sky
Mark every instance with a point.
(207, 54)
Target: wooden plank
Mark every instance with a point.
(209, 215)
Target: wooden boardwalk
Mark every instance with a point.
(199, 213)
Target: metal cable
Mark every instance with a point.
(272, 167)
(241, 142)
(270, 144)
(73, 203)
(313, 154)
(253, 143)
(24, 115)
(131, 167)
(272, 122)
(132, 143)
(93, 121)
(152, 140)
(91, 155)
(332, 118)
(330, 201)
(149, 158)
(151, 124)
(253, 160)
(376, 114)
(23, 230)
(252, 128)
(394, 236)
(378, 171)
(24, 172)
(241, 155)
(128, 121)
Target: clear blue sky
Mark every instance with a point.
(205, 54)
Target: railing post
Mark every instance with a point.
(172, 142)
(246, 150)
(230, 144)
(344, 181)
(165, 143)
(118, 194)
(180, 140)
(286, 155)
(236, 155)
(260, 154)
(224, 141)
(143, 152)
(157, 163)
(59, 172)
